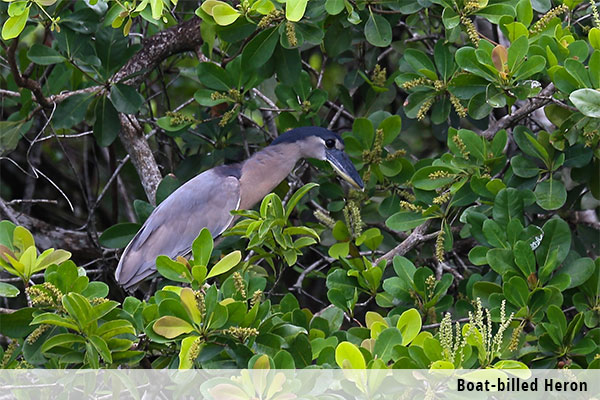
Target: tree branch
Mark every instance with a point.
(49, 236)
(509, 120)
(417, 236)
(183, 37)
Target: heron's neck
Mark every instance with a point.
(262, 172)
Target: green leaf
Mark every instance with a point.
(557, 236)
(524, 167)
(594, 38)
(494, 233)
(224, 14)
(291, 204)
(466, 59)
(405, 220)
(391, 127)
(167, 185)
(53, 319)
(225, 264)
(157, 7)
(260, 49)
(525, 12)
(288, 65)
(529, 144)
(409, 325)
(508, 205)
(294, 9)
(516, 291)
(550, 194)
(579, 270)
(101, 347)
(378, 31)
(17, 324)
(334, 7)
(71, 111)
(107, 125)
(495, 12)
(531, 66)
(62, 340)
(422, 179)
(385, 342)
(44, 55)
(348, 356)
(444, 60)
(10, 134)
(202, 248)
(125, 98)
(78, 307)
(524, 258)
(119, 235)
(185, 360)
(15, 25)
(420, 62)
(173, 270)
(587, 101)
(516, 30)
(214, 77)
(8, 290)
(171, 327)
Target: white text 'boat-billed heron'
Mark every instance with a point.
(207, 199)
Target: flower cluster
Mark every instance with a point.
(461, 146)
(241, 334)
(324, 218)
(239, 284)
(471, 30)
(379, 76)
(546, 18)
(270, 18)
(290, 33)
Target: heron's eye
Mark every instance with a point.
(330, 143)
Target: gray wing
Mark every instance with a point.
(203, 202)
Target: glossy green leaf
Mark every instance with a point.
(550, 194)
(348, 356)
(202, 247)
(409, 325)
(294, 9)
(225, 264)
(8, 290)
(107, 125)
(173, 270)
(405, 220)
(378, 31)
(14, 25)
(118, 236)
(385, 343)
(171, 327)
(125, 98)
(260, 49)
(44, 55)
(587, 101)
(224, 14)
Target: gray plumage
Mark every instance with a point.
(207, 199)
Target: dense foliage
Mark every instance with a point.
(473, 123)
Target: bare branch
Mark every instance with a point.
(417, 236)
(509, 120)
(142, 158)
(49, 236)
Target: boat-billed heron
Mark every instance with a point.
(207, 199)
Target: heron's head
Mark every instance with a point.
(323, 144)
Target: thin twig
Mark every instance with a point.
(508, 120)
